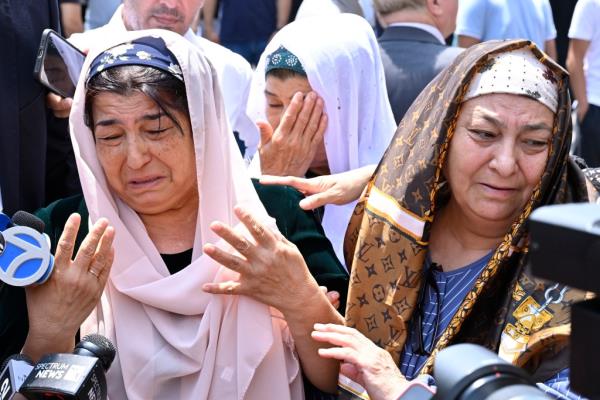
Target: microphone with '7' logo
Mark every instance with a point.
(25, 257)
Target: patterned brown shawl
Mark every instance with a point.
(387, 239)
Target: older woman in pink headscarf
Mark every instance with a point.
(156, 159)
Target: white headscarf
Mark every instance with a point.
(341, 58)
(173, 340)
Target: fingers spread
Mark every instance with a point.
(66, 243)
(230, 287)
(235, 239)
(88, 247)
(262, 235)
(226, 259)
(104, 255)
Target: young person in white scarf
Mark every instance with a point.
(162, 176)
(321, 87)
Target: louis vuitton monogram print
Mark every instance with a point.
(387, 237)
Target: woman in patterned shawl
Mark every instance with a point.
(438, 242)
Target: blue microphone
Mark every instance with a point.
(25, 257)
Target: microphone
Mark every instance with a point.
(25, 257)
(15, 370)
(24, 218)
(5, 222)
(470, 372)
(76, 376)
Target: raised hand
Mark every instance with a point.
(291, 148)
(339, 189)
(271, 268)
(273, 271)
(58, 307)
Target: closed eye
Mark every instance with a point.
(157, 131)
(535, 146)
(109, 138)
(482, 135)
(535, 142)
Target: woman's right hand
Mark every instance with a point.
(291, 147)
(362, 360)
(342, 188)
(59, 306)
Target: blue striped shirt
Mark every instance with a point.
(452, 287)
(558, 387)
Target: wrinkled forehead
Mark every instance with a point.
(506, 110)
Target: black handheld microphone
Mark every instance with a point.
(76, 376)
(15, 370)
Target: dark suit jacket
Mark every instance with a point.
(411, 58)
(36, 156)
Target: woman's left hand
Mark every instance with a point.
(272, 271)
(362, 360)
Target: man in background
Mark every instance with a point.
(481, 20)
(246, 25)
(583, 62)
(37, 164)
(413, 47)
(233, 72)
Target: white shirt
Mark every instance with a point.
(585, 25)
(234, 74)
(506, 19)
(425, 27)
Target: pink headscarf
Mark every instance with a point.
(173, 340)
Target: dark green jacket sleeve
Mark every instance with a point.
(55, 217)
(304, 230)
